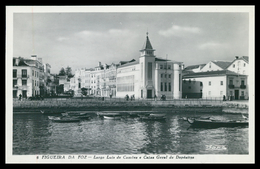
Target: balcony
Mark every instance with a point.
(242, 86)
(231, 86)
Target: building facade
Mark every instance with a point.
(149, 76)
(29, 78)
(218, 80)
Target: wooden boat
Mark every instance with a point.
(153, 117)
(86, 117)
(107, 114)
(216, 123)
(51, 112)
(112, 117)
(66, 120)
(53, 117)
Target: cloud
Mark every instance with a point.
(211, 45)
(62, 39)
(176, 30)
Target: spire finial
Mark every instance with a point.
(147, 33)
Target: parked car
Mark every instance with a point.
(37, 97)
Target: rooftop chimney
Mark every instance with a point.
(236, 57)
(99, 63)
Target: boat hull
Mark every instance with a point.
(212, 123)
(65, 120)
(112, 117)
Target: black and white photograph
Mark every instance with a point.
(130, 84)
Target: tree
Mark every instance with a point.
(84, 91)
(62, 72)
(68, 72)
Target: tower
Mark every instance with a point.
(147, 65)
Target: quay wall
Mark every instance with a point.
(122, 105)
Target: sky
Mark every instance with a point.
(81, 40)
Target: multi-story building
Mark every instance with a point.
(28, 76)
(149, 76)
(218, 79)
(99, 81)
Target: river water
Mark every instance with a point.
(36, 134)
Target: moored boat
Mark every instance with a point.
(66, 120)
(216, 123)
(53, 118)
(112, 117)
(153, 117)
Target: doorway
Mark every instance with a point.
(236, 94)
(149, 94)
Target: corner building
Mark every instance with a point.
(149, 76)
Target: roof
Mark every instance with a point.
(222, 64)
(194, 66)
(159, 59)
(129, 64)
(246, 58)
(147, 44)
(124, 62)
(211, 73)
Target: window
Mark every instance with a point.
(201, 84)
(184, 81)
(242, 82)
(244, 65)
(209, 83)
(24, 82)
(234, 65)
(242, 93)
(165, 87)
(35, 83)
(170, 87)
(169, 66)
(189, 81)
(162, 75)
(161, 86)
(221, 83)
(230, 81)
(161, 66)
(32, 72)
(165, 75)
(24, 73)
(150, 71)
(209, 65)
(32, 82)
(170, 75)
(79, 85)
(14, 83)
(189, 87)
(14, 73)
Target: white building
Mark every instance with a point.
(217, 79)
(149, 76)
(28, 77)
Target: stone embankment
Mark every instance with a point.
(56, 105)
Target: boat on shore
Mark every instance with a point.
(216, 123)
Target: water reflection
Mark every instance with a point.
(35, 134)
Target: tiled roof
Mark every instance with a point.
(147, 44)
(211, 73)
(194, 66)
(222, 64)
